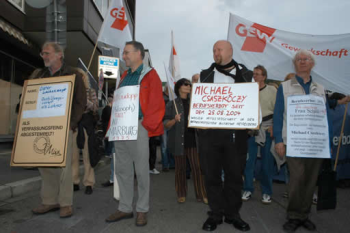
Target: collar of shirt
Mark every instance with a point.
(306, 86)
(56, 71)
(137, 71)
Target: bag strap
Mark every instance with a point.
(340, 137)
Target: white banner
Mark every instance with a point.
(125, 114)
(255, 44)
(224, 106)
(307, 127)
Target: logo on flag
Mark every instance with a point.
(256, 37)
(115, 30)
(120, 21)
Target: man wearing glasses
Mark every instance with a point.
(133, 156)
(57, 183)
(224, 149)
(303, 171)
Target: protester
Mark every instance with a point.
(167, 158)
(132, 156)
(153, 155)
(84, 138)
(57, 183)
(303, 171)
(267, 99)
(224, 149)
(182, 142)
(195, 78)
(109, 146)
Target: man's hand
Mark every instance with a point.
(178, 117)
(344, 100)
(270, 130)
(280, 149)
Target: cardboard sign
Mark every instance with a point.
(224, 106)
(109, 66)
(44, 122)
(307, 127)
(125, 114)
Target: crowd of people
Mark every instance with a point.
(222, 161)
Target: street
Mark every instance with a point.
(165, 215)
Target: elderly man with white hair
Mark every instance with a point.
(303, 171)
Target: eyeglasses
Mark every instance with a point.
(303, 59)
(42, 54)
(127, 52)
(187, 84)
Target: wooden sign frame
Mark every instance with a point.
(43, 123)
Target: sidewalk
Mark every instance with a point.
(15, 181)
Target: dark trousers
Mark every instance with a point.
(303, 177)
(152, 152)
(219, 152)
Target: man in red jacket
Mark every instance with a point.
(134, 155)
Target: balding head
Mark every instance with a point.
(195, 78)
(222, 52)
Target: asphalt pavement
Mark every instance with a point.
(165, 215)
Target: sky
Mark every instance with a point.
(198, 24)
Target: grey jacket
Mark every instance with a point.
(176, 134)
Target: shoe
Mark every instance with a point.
(88, 190)
(43, 209)
(165, 169)
(238, 223)
(66, 211)
(119, 215)
(181, 199)
(308, 225)
(246, 195)
(76, 187)
(210, 224)
(292, 225)
(314, 199)
(107, 184)
(141, 219)
(266, 199)
(188, 177)
(205, 200)
(285, 195)
(154, 171)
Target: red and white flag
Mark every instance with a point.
(255, 44)
(174, 64)
(115, 30)
(171, 84)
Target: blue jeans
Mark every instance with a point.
(167, 158)
(267, 162)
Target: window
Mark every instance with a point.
(19, 4)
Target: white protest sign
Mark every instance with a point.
(51, 102)
(224, 106)
(307, 127)
(109, 66)
(125, 114)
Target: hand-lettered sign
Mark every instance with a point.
(125, 114)
(43, 123)
(307, 127)
(224, 106)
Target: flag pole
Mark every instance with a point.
(340, 137)
(93, 53)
